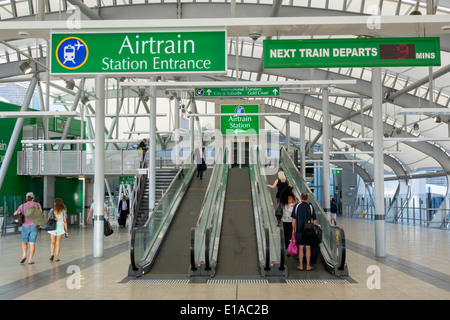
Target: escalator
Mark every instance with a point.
(237, 232)
(163, 231)
(331, 255)
(173, 256)
(238, 251)
(234, 235)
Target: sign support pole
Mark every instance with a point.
(326, 152)
(302, 140)
(152, 152)
(99, 176)
(380, 235)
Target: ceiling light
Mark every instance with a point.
(85, 101)
(25, 67)
(416, 126)
(437, 119)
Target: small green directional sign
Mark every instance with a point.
(126, 180)
(239, 124)
(238, 92)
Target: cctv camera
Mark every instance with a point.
(254, 35)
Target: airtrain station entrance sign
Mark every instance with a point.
(134, 53)
(354, 52)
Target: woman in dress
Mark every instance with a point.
(59, 213)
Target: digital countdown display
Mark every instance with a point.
(397, 51)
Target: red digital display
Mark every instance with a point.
(397, 51)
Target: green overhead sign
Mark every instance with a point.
(127, 180)
(241, 124)
(138, 52)
(355, 52)
(238, 92)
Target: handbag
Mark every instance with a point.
(292, 247)
(18, 219)
(50, 225)
(108, 230)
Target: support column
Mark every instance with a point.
(288, 134)
(16, 132)
(326, 152)
(302, 141)
(99, 176)
(152, 151)
(380, 234)
(176, 115)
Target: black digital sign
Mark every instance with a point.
(397, 51)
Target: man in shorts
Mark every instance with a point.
(29, 229)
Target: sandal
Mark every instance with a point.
(23, 260)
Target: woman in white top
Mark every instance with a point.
(287, 201)
(59, 213)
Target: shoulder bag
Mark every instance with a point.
(312, 233)
(35, 215)
(51, 223)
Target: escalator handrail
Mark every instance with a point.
(264, 205)
(208, 228)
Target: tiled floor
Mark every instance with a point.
(417, 266)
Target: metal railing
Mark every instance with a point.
(410, 210)
(66, 163)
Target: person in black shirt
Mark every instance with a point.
(200, 160)
(333, 209)
(280, 184)
(143, 146)
(300, 215)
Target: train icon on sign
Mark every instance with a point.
(72, 53)
(239, 109)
